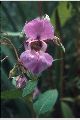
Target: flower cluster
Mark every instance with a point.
(35, 58)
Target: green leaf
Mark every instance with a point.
(68, 99)
(58, 59)
(14, 81)
(11, 94)
(32, 76)
(66, 110)
(30, 86)
(45, 102)
(64, 12)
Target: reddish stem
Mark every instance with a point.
(40, 8)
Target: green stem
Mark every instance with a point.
(12, 34)
(59, 64)
(59, 54)
(40, 8)
(30, 105)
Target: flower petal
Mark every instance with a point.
(36, 62)
(39, 29)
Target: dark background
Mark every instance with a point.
(63, 75)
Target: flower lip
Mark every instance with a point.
(36, 45)
(36, 62)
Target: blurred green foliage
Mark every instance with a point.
(63, 75)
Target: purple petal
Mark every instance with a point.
(21, 81)
(44, 46)
(45, 60)
(39, 28)
(36, 62)
(27, 44)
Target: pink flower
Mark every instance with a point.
(39, 29)
(21, 81)
(34, 58)
(36, 62)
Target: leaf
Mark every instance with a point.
(45, 102)
(66, 110)
(58, 59)
(32, 76)
(30, 86)
(29, 74)
(64, 12)
(68, 99)
(14, 81)
(11, 94)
